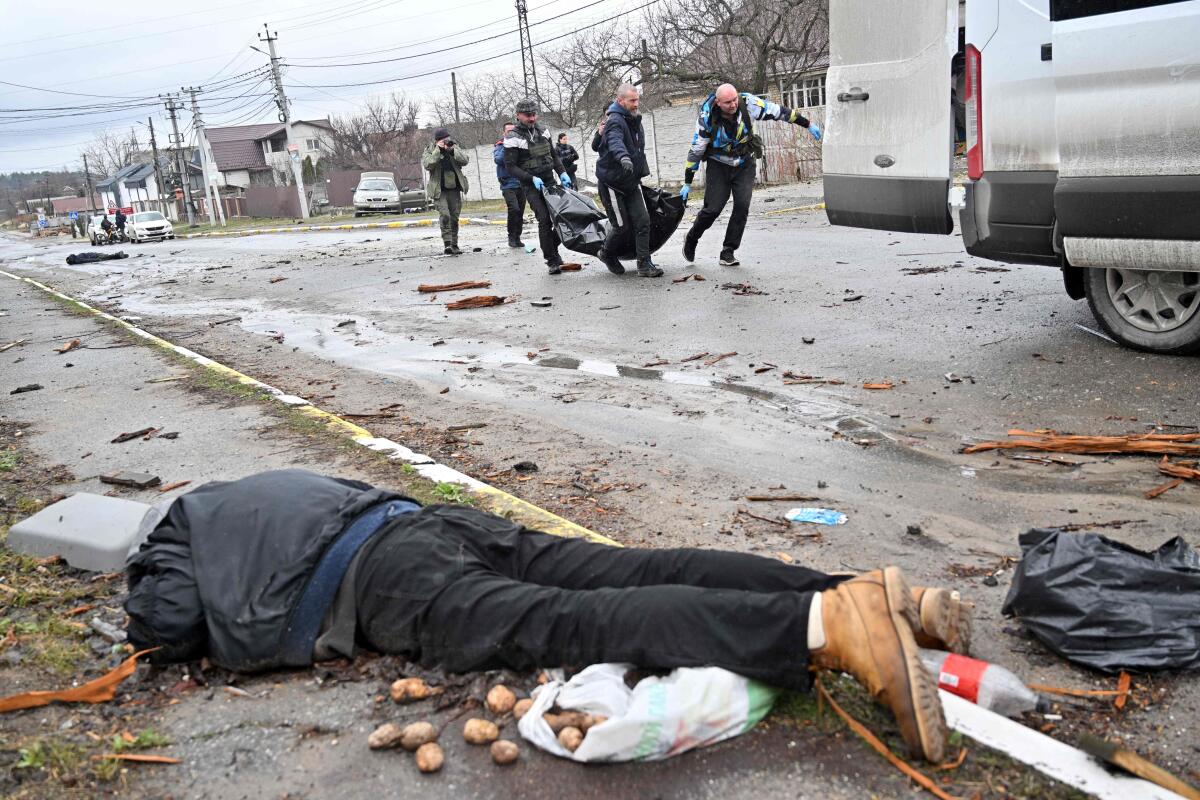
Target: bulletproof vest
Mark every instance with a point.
(539, 157)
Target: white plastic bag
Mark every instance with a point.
(658, 718)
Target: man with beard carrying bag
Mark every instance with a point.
(619, 170)
(531, 158)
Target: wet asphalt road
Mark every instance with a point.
(972, 348)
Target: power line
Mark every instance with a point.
(480, 60)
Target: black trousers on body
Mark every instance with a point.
(720, 182)
(626, 208)
(547, 238)
(514, 199)
(468, 590)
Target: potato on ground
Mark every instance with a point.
(521, 707)
(480, 731)
(416, 734)
(504, 752)
(410, 690)
(385, 736)
(430, 757)
(500, 700)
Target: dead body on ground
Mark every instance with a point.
(281, 569)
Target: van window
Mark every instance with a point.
(1074, 9)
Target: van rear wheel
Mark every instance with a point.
(1152, 310)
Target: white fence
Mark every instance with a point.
(791, 154)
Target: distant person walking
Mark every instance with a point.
(447, 185)
(619, 171)
(531, 158)
(725, 138)
(568, 155)
(510, 189)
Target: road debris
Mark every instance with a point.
(225, 321)
(466, 426)
(29, 387)
(1186, 471)
(770, 498)
(170, 487)
(1117, 755)
(135, 480)
(657, 363)
(126, 437)
(68, 347)
(854, 298)
(721, 357)
(525, 466)
(571, 266)
(429, 288)
(1161, 443)
(478, 301)
(691, 276)
(793, 379)
(696, 357)
(765, 368)
(816, 516)
(540, 303)
(11, 345)
(881, 386)
(1096, 333)
(742, 289)
(808, 339)
(138, 758)
(277, 279)
(760, 517)
(1062, 462)
(1162, 488)
(101, 690)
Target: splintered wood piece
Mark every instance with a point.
(696, 357)
(430, 288)
(570, 266)
(1164, 444)
(721, 357)
(476, 301)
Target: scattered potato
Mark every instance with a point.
(430, 757)
(504, 752)
(500, 700)
(521, 707)
(480, 731)
(571, 719)
(385, 736)
(570, 738)
(409, 690)
(417, 734)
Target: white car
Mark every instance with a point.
(1082, 124)
(93, 227)
(147, 226)
(376, 191)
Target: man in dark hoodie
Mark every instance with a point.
(531, 158)
(619, 170)
(285, 568)
(510, 189)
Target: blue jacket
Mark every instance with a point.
(506, 181)
(623, 138)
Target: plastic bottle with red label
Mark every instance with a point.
(988, 685)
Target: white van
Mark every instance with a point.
(1083, 143)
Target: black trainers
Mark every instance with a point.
(554, 267)
(515, 243)
(449, 250)
(646, 269)
(614, 265)
(728, 259)
(689, 249)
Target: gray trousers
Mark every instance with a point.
(449, 206)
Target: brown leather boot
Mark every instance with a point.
(945, 620)
(868, 631)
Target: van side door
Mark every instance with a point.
(888, 147)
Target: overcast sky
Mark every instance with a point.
(143, 49)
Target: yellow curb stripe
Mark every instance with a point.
(504, 503)
(813, 207)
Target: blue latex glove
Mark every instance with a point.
(565, 180)
(538, 183)
(815, 130)
(685, 191)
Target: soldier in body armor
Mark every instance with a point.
(531, 158)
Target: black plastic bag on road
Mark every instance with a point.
(1106, 605)
(579, 224)
(666, 212)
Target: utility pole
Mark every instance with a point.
(210, 188)
(87, 185)
(454, 91)
(173, 107)
(158, 176)
(285, 116)
(528, 67)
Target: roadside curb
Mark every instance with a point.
(346, 226)
(812, 207)
(500, 501)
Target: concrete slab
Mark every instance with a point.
(89, 531)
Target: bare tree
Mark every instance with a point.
(381, 136)
(749, 44)
(484, 102)
(109, 153)
(573, 83)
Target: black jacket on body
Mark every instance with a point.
(222, 573)
(623, 138)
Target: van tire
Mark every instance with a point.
(1104, 297)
